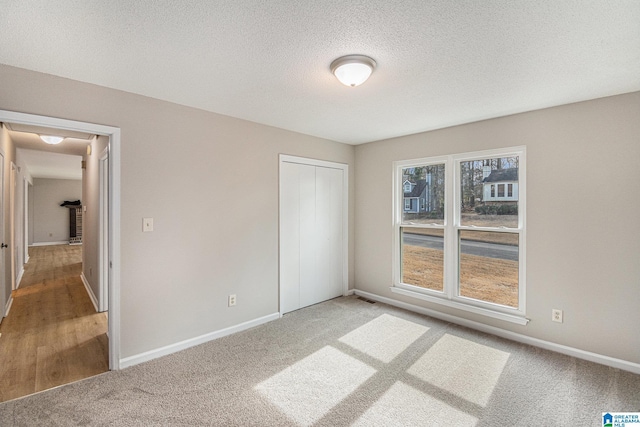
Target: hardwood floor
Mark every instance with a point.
(52, 335)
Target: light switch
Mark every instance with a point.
(147, 224)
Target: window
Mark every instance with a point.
(407, 204)
(465, 249)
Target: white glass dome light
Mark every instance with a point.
(50, 139)
(353, 70)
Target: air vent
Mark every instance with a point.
(366, 300)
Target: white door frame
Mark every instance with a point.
(284, 158)
(12, 221)
(5, 303)
(103, 236)
(114, 210)
(25, 221)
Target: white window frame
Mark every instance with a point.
(452, 225)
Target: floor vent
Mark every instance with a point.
(366, 300)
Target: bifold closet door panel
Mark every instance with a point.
(290, 237)
(310, 269)
(326, 280)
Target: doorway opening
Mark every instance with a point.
(109, 196)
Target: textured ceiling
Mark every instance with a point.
(440, 63)
(61, 161)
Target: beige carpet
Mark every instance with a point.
(340, 363)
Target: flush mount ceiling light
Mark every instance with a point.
(353, 70)
(50, 139)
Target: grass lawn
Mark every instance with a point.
(482, 278)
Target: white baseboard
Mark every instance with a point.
(183, 345)
(7, 307)
(514, 336)
(19, 278)
(62, 242)
(93, 298)
(350, 292)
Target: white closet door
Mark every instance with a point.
(311, 234)
(321, 274)
(290, 236)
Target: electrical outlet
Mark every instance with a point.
(232, 300)
(147, 224)
(556, 315)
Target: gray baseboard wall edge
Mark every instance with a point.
(7, 306)
(547, 345)
(92, 296)
(192, 342)
(61, 242)
(19, 278)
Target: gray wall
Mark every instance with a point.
(185, 168)
(583, 170)
(50, 220)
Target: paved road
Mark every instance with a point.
(490, 250)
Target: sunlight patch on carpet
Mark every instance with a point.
(403, 405)
(308, 389)
(464, 368)
(384, 337)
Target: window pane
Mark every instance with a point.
(480, 203)
(423, 192)
(489, 266)
(422, 257)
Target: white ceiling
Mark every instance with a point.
(61, 161)
(440, 63)
(42, 164)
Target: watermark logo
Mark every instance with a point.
(620, 419)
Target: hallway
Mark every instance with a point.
(52, 335)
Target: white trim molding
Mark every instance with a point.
(520, 320)
(61, 242)
(92, 296)
(8, 306)
(192, 342)
(19, 278)
(514, 336)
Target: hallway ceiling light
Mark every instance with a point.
(353, 70)
(50, 139)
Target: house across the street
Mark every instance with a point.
(500, 185)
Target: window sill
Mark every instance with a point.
(520, 320)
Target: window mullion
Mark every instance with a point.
(451, 247)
